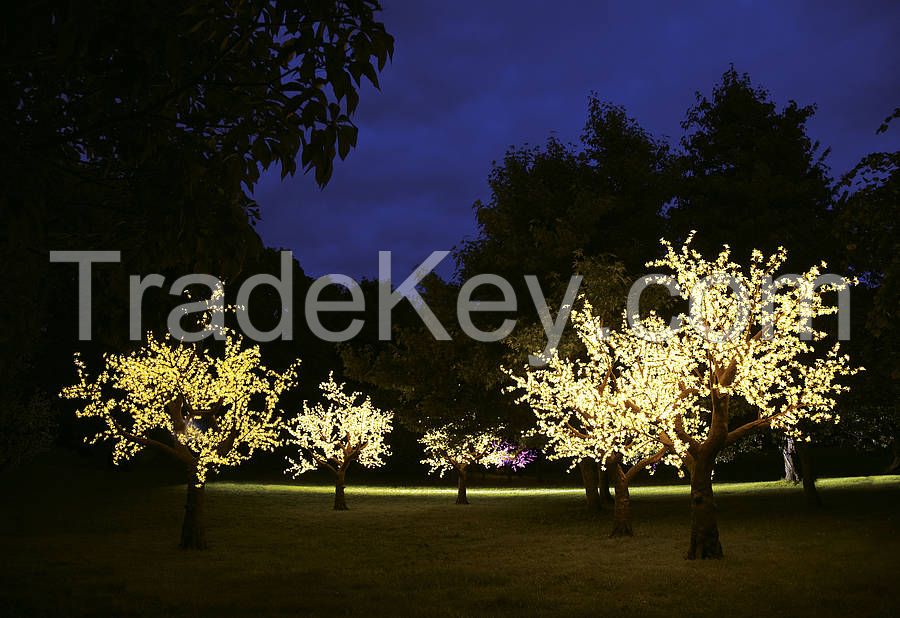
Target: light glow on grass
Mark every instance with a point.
(675, 491)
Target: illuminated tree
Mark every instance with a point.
(611, 406)
(450, 448)
(748, 336)
(348, 428)
(204, 409)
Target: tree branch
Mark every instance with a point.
(184, 455)
(736, 434)
(682, 433)
(634, 470)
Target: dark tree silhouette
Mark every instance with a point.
(867, 234)
(750, 176)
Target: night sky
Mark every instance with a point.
(471, 78)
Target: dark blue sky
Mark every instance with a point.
(471, 78)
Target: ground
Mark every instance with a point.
(105, 544)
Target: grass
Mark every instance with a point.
(77, 542)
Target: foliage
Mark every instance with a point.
(550, 204)
(256, 80)
(213, 408)
(614, 402)
(759, 345)
(347, 428)
(750, 176)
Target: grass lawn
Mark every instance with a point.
(104, 543)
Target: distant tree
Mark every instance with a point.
(451, 448)
(550, 204)
(346, 428)
(875, 427)
(760, 345)
(635, 173)
(205, 407)
(867, 233)
(798, 468)
(750, 176)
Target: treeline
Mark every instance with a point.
(745, 173)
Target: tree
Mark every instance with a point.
(634, 173)
(867, 215)
(750, 176)
(449, 448)
(349, 428)
(559, 210)
(610, 406)
(550, 204)
(749, 337)
(798, 467)
(259, 80)
(202, 408)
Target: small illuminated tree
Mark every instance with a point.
(347, 428)
(204, 408)
(752, 336)
(613, 405)
(451, 448)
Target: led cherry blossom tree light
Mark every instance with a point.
(752, 336)
(611, 406)
(206, 407)
(346, 428)
(450, 448)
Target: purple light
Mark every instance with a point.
(513, 456)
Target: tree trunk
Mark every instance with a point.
(789, 452)
(894, 466)
(461, 497)
(590, 478)
(808, 474)
(193, 535)
(605, 495)
(622, 511)
(704, 526)
(340, 502)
